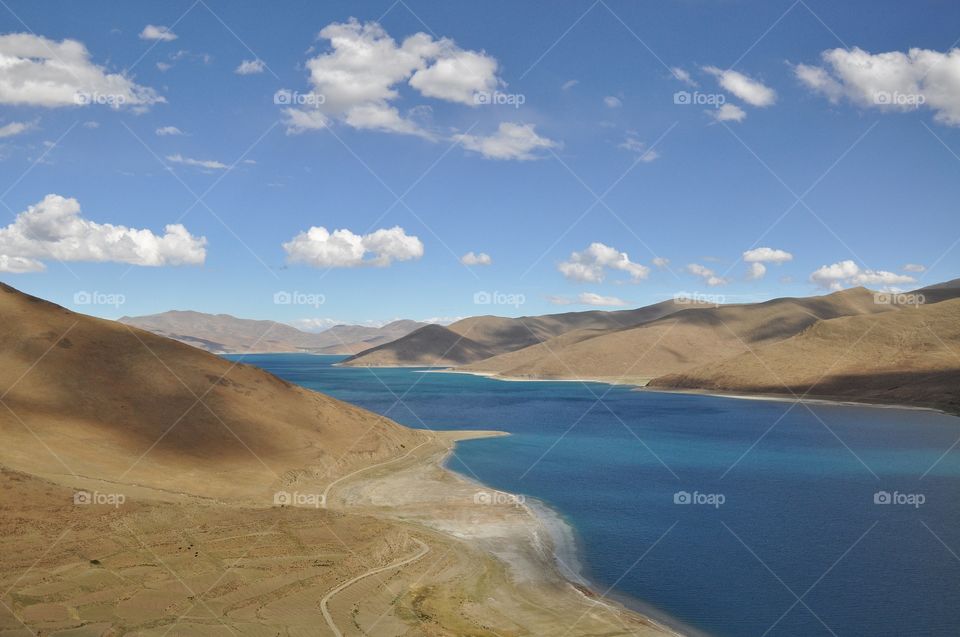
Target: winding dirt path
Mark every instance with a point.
(326, 492)
(424, 549)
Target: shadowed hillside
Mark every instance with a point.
(89, 397)
(479, 337)
(678, 341)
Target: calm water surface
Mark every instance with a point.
(798, 518)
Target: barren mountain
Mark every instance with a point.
(677, 341)
(90, 397)
(479, 337)
(911, 356)
(225, 334)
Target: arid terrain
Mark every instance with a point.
(151, 488)
(225, 334)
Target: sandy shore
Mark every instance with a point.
(532, 544)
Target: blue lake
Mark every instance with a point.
(782, 535)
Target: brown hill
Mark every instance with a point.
(89, 397)
(225, 334)
(479, 337)
(907, 357)
(676, 342)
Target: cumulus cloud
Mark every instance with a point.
(683, 75)
(511, 141)
(168, 130)
(154, 32)
(709, 276)
(16, 128)
(590, 265)
(633, 143)
(569, 84)
(209, 164)
(471, 258)
(357, 81)
(55, 229)
(661, 262)
(767, 255)
(612, 102)
(746, 88)
(250, 67)
(836, 275)
(35, 71)
(588, 298)
(728, 113)
(892, 81)
(914, 267)
(344, 249)
(757, 257)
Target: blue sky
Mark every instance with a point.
(762, 149)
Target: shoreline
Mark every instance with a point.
(532, 542)
(774, 397)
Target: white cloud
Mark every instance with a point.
(709, 276)
(169, 130)
(55, 229)
(728, 113)
(154, 32)
(481, 258)
(683, 76)
(16, 128)
(633, 144)
(746, 88)
(661, 262)
(511, 141)
(589, 265)
(757, 257)
(344, 249)
(91, 124)
(357, 80)
(767, 255)
(834, 276)
(209, 164)
(892, 81)
(756, 271)
(36, 71)
(569, 84)
(588, 298)
(250, 67)
(612, 102)
(914, 267)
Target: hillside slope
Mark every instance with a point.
(89, 397)
(907, 357)
(479, 337)
(676, 342)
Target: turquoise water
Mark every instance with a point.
(797, 520)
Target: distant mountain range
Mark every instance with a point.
(225, 334)
(854, 344)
